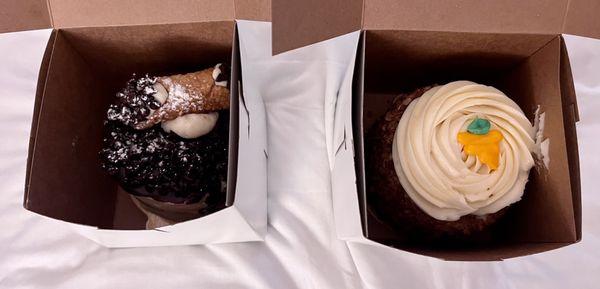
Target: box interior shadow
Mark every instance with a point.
(80, 75)
(528, 68)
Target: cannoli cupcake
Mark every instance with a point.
(166, 141)
(446, 161)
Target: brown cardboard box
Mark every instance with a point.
(513, 45)
(94, 48)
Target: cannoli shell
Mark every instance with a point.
(195, 92)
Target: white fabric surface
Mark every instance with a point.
(300, 250)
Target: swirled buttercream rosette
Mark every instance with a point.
(463, 148)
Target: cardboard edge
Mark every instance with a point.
(541, 248)
(99, 13)
(259, 232)
(570, 136)
(39, 95)
(571, 116)
(170, 235)
(566, 79)
(23, 15)
(524, 249)
(251, 193)
(358, 131)
(235, 78)
(341, 150)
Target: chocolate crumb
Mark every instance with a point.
(135, 102)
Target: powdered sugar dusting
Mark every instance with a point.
(135, 102)
(181, 98)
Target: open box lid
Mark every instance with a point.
(19, 15)
(300, 23)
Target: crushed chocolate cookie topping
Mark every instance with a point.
(135, 102)
(164, 166)
(153, 163)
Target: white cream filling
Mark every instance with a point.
(160, 93)
(215, 74)
(191, 125)
(428, 158)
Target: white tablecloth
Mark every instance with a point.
(300, 250)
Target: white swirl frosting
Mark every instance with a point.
(431, 166)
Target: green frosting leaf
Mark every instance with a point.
(479, 126)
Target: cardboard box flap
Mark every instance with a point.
(19, 15)
(579, 17)
(510, 16)
(74, 13)
(85, 68)
(299, 24)
(582, 18)
(259, 10)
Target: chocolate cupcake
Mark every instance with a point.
(166, 142)
(446, 161)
